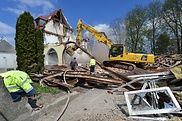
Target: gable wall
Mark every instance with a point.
(54, 27)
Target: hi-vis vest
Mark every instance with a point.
(17, 80)
(92, 62)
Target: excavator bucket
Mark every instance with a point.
(70, 51)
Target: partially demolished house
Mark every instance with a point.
(56, 31)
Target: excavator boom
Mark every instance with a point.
(100, 36)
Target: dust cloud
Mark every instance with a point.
(100, 52)
(81, 57)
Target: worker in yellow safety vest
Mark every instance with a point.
(92, 65)
(19, 84)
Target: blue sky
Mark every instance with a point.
(93, 12)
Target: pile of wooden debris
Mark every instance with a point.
(63, 76)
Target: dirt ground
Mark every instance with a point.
(92, 104)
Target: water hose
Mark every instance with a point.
(68, 99)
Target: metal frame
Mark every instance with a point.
(149, 118)
(151, 110)
(147, 77)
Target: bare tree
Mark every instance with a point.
(154, 14)
(119, 31)
(172, 15)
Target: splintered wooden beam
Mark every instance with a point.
(59, 82)
(93, 77)
(57, 79)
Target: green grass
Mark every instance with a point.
(45, 89)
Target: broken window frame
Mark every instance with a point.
(174, 109)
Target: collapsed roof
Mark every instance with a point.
(57, 16)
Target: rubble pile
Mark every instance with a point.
(156, 88)
(164, 62)
(63, 76)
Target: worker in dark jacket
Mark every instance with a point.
(19, 84)
(73, 64)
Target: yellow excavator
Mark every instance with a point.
(118, 57)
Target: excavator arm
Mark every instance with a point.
(99, 36)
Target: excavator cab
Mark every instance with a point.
(116, 50)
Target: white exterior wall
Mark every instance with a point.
(48, 38)
(8, 60)
(54, 27)
(69, 35)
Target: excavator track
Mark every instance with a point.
(119, 64)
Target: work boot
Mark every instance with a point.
(33, 104)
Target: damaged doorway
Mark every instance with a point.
(51, 58)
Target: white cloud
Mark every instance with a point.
(106, 29)
(35, 3)
(6, 29)
(13, 10)
(31, 6)
(102, 28)
(45, 5)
